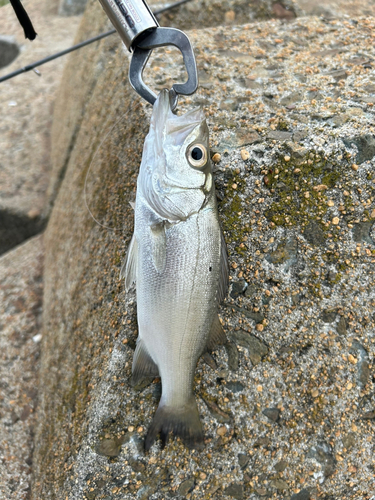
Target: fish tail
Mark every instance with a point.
(183, 422)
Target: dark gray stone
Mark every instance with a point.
(365, 145)
(262, 441)
(235, 490)
(109, 447)
(329, 315)
(9, 51)
(272, 414)
(279, 484)
(341, 326)
(243, 460)
(257, 350)
(235, 386)
(292, 98)
(281, 466)
(238, 288)
(363, 369)
(186, 487)
(279, 135)
(314, 94)
(301, 495)
(233, 358)
(314, 234)
(300, 135)
(361, 232)
(255, 316)
(348, 441)
(239, 138)
(251, 290)
(136, 465)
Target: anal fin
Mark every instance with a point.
(143, 364)
(216, 336)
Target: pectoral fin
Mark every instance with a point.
(143, 364)
(216, 336)
(159, 246)
(224, 271)
(129, 268)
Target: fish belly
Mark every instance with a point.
(176, 304)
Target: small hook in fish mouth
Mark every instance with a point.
(161, 37)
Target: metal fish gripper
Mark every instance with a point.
(141, 33)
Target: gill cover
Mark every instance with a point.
(171, 185)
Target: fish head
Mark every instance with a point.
(176, 172)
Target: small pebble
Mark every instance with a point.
(222, 430)
(355, 167)
(286, 158)
(216, 158)
(331, 203)
(230, 16)
(245, 155)
(335, 221)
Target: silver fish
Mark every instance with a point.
(177, 257)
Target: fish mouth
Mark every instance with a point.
(172, 127)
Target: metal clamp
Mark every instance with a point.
(160, 38)
(141, 33)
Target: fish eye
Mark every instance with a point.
(197, 155)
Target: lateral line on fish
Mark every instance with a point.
(191, 293)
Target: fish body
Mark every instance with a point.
(177, 258)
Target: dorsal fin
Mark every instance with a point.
(143, 364)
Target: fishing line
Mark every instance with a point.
(35, 64)
(91, 163)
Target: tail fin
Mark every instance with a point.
(182, 421)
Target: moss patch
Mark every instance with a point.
(299, 185)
